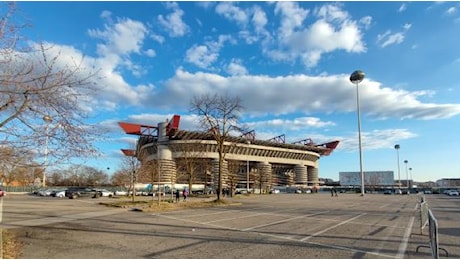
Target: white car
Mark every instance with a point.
(106, 193)
(45, 193)
(121, 193)
(59, 194)
(453, 193)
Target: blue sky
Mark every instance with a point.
(289, 62)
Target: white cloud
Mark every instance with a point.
(122, 38)
(150, 53)
(334, 30)
(278, 96)
(119, 41)
(402, 8)
(292, 17)
(205, 55)
(173, 22)
(390, 38)
(407, 26)
(158, 38)
(259, 19)
(201, 56)
(236, 68)
(376, 139)
(290, 124)
(232, 12)
(366, 21)
(451, 10)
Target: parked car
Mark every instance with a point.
(453, 193)
(387, 192)
(2, 193)
(45, 192)
(58, 193)
(105, 193)
(76, 192)
(120, 193)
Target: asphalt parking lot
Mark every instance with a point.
(264, 226)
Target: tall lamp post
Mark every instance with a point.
(407, 174)
(410, 175)
(159, 169)
(247, 171)
(48, 120)
(356, 77)
(399, 171)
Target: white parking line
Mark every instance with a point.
(239, 217)
(403, 245)
(281, 221)
(380, 255)
(332, 227)
(59, 219)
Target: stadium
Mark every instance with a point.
(249, 163)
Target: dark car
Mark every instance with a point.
(387, 192)
(76, 192)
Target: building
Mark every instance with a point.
(448, 182)
(249, 162)
(371, 178)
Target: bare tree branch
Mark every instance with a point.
(219, 115)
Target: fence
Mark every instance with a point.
(18, 188)
(427, 217)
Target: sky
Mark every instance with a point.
(289, 62)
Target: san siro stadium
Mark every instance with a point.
(249, 162)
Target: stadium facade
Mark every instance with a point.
(261, 163)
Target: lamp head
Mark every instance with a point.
(47, 119)
(357, 76)
(397, 147)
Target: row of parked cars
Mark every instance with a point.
(75, 192)
(451, 192)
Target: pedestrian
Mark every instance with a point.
(335, 192)
(184, 194)
(177, 196)
(332, 192)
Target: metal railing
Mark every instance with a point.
(427, 218)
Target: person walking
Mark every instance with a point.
(335, 192)
(332, 192)
(177, 196)
(184, 194)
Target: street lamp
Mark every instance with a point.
(407, 174)
(247, 170)
(399, 171)
(159, 169)
(410, 175)
(47, 119)
(356, 77)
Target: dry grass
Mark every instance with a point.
(11, 245)
(153, 206)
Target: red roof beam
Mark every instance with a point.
(136, 129)
(128, 152)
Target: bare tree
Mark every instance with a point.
(121, 178)
(191, 163)
(14, 166)
(45, 95)
(131, 165)
(234, 169)
(220, 116)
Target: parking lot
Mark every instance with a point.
(265, 226)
